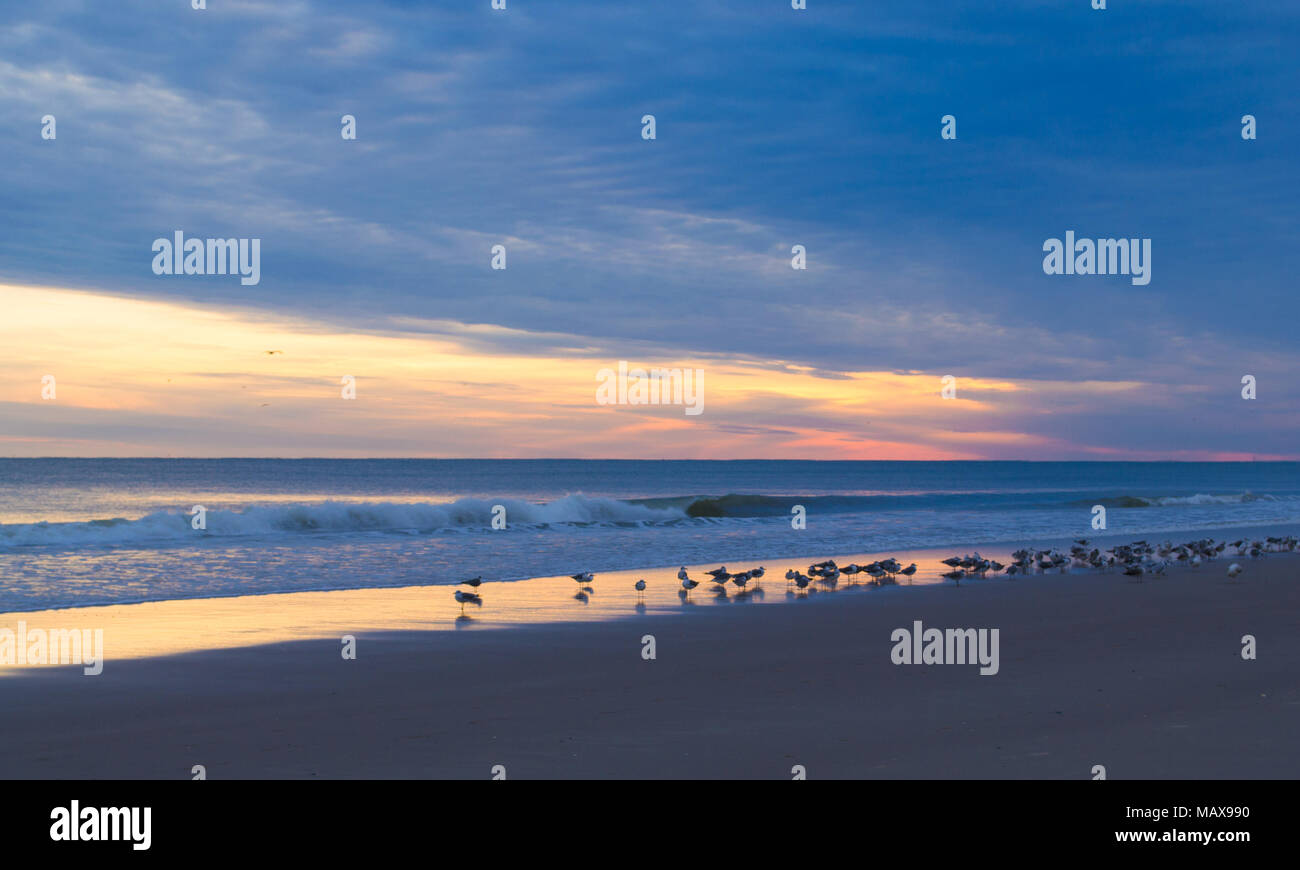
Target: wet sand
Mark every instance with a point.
(1145, 678)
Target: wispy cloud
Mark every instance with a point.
(774, 129)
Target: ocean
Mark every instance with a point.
(76, 532)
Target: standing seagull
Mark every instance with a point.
(584, 578)
(467, 598)
(688, 584)
(476, 582)
(640, 588)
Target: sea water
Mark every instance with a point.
(93, 531)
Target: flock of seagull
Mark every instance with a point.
(1134, 559)
(828, 573)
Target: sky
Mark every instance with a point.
(774, 127)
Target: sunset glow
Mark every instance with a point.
(146, 378)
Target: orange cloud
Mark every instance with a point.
(153, 378)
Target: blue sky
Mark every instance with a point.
(775, 128)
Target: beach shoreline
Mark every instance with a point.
(1145, 678)
(79, 533)
(926, 557)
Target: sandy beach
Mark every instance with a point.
(1145, 678)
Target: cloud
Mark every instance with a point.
(775, 128)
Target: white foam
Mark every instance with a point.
(165, 527)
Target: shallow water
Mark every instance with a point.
(77, 532)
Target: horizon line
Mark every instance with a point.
(647, 459)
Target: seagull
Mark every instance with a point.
(740, 579)
(467, 598)
(1234, 569)
(909, 570)
(640, 587)
(688, 584)
(584, 578)
(719, 573)
(681, 575)
(473, 581)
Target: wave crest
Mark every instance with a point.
(165, 527)
(1137, 501)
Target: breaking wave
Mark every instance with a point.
(166, 527)
(1134, 501)
(282, 522)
